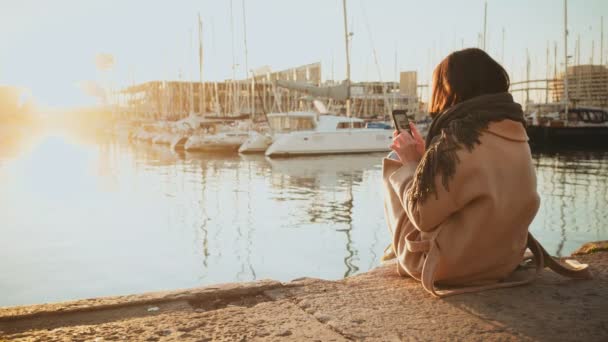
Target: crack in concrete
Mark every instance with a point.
(322, 321)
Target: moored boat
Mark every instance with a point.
(256, 143)
(215, 136)
(329, 134)
(583, 128)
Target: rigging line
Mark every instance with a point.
(249, 96)
(234, 99)
(371, 41)
(375, 55)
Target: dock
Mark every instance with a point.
(374, 306)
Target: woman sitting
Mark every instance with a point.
(459, 204)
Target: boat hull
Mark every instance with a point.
(213, 143)
(332, 142)
(594, 137)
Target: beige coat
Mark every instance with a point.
(475, 233)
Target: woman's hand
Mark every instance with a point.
(409, 148)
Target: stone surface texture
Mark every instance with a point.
(374, 306)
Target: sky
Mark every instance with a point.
(50, 47)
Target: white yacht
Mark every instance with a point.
(322, 133)
(279, 123)
(313, 134)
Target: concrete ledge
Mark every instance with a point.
(592, 247)
(213, 292)
(377, 305)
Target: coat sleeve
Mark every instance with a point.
(469, 183)
(408, 222)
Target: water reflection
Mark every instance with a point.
(574, 195)
(108, 217)
(333, 175)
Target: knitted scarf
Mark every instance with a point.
(459, 126)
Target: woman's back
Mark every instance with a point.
(486, 240)
(459, 204)
(481, 222)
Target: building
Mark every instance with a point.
(254, 97)
(587, 86)
(309, 73)
(379, 99)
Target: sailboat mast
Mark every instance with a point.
(346, 36)
(190, 81)
(201, 86)
(485, 24)
(251, 99)
(547, 76)
(235, 105)
(527, 77)
(554, 61)
(395, 88)
(502, 51)
(577, 50)
(566, 58)
(602, 41)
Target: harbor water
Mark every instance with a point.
(99, 217)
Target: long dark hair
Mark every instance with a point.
(463, 75)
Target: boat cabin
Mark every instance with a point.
(295, 121)
(310, 121)
(334, 122)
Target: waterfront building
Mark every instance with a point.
(254, 97)
(587, 86)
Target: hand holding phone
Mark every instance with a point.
(401, 121)
(407, 147)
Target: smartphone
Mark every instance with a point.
(401, 121)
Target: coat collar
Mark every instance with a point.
(508, 129)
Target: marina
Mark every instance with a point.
(315, 110)
(295, 112)
(218, 170)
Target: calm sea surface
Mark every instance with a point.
(95, 218)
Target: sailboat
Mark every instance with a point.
(219, 136)
(571, 127)
(327, 133)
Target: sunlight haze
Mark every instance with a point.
(50, 46)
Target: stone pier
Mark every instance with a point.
(376, 306)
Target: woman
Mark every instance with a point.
(459, 203)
